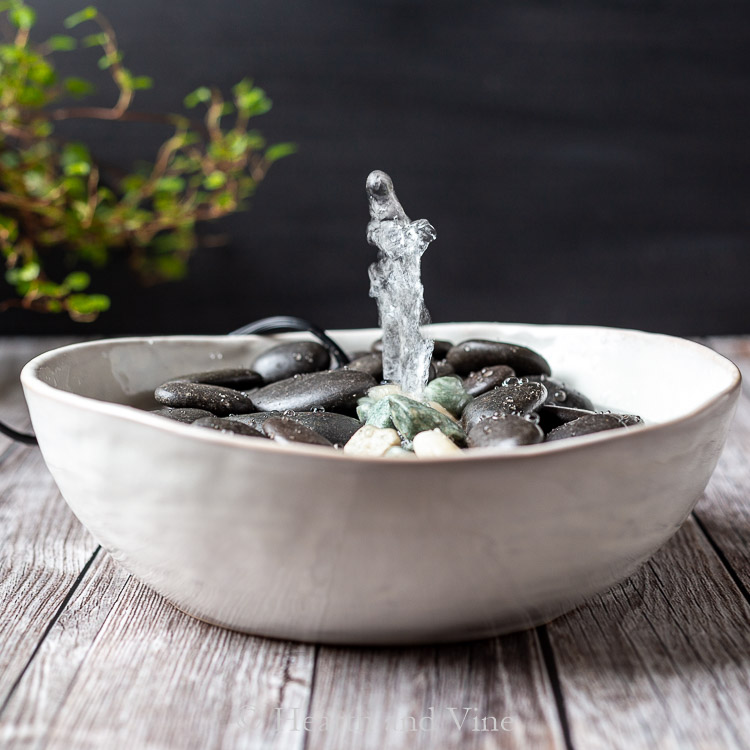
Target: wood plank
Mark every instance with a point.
(381, 698)
(663, 660)
(724, 511)
(124, 668)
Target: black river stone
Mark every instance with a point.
(332, 390)
(442, 368)
(481, 381)
(238, 378)
(286, 430)
(227, 425)
(559, 394)
(504, 431)
(520, 399)
(591, 423)
(551, 415)
(337, 428)
(294, 358)
(474, 354)
(188, 416)
(214, 398)
(371, 363)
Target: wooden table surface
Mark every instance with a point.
(91, 658)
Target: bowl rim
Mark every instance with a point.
(31, 381)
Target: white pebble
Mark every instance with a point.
(398, 452)
(371, 441)
(432, 443)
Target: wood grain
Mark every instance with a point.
(382, 698)
(663, 660)
(42, 546)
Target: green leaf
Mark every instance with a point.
(253, 102)
(194, 98)
(8, 229)
(142, 82)
(170, 267)
(22, 17)
(82, 15)
(77, 281)
(61, 43)
(87, 304)
(279, 151)
(95, 40)
(75, 159)
(215, 180)
(107, 61)
(27, 272)
(78, 87)
(170, 184)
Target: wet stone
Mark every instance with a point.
(591, 423)
(504, 431)
(449, 392)
(333, 390)
(288, 430)
(217, 399)
(188, 416)
(479, 382)
(226, 425)
(240, 379)
(434, 444)
(442, 368)
(559, 394)
(551, 415)
(474, 354)
(293, 358)
(372, 441)
(337, 428)
(520, 399)
(412, 417)
(371, 363)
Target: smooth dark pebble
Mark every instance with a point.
(371, 363)
(507, 399)
(504, 431)
(293, 358)
(285, 430)
(337, 428)
(227, 425)
(442, 368)
(589, 424)
(481, 381)
(214, 398)
(188, 416)
(551, 415)
(333, 390)
(238, 378)
(474, 354)
(559, 394)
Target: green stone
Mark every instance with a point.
(449, 392)
(411, 417)
(363, 408)
(379, 414)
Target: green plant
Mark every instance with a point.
(55, 198)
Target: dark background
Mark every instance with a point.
(582, 162)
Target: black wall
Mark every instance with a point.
(582, 162)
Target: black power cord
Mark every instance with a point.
(264, 325)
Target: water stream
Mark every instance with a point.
(395, 282)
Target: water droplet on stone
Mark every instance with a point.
(511, 381)
(560, 395)
(289, 412)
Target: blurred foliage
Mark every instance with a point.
(56, 199)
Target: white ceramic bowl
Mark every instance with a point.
(307, 543)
